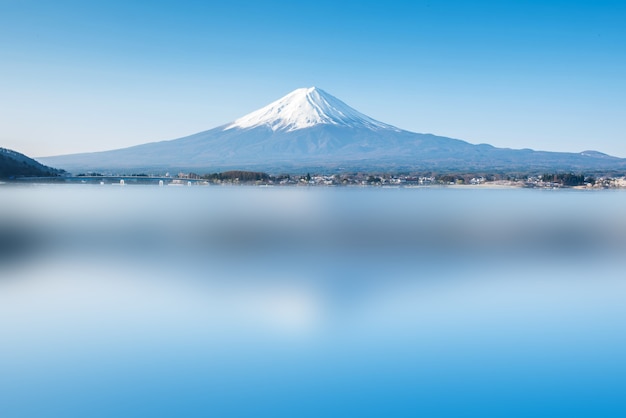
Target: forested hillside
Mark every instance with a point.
(13, 165)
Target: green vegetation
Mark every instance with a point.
(16, 165)
(237, 176)
(566, 179)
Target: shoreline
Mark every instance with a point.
(615, 184)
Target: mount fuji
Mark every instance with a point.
(311, 130)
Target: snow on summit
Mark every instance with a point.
(304, 108)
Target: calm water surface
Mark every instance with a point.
(234, 301)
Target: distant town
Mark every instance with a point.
(16, 167)
(238, 177)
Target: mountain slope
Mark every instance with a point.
(310, 129)
(14, 164)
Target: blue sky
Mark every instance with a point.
(81, 76)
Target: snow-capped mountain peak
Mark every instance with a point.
(304, 108)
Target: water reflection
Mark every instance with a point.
(248, 301)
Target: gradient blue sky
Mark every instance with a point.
(94, 75)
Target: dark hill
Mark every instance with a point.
(14, 165)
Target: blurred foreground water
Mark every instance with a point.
(235, 301)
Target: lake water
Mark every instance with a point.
(236, 301)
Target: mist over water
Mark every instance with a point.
(237, 301)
